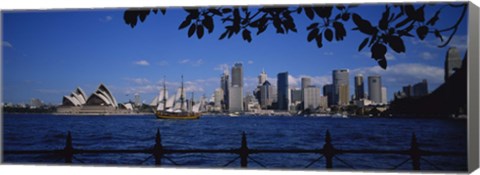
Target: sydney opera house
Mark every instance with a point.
(101, 102)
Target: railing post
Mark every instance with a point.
(68, 150)
(328, 151)
(244, 152)
(158, 149)
(415, 153)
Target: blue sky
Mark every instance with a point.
(47, 54)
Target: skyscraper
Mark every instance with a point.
(262, 78)
(236, 89)
(341, 87)
(266, 95)
(420, 89)
(224, 85)
(375, 88)
(328, 92)
(384, 95)
(218, 98)
(311, 98)
(359, 88)
(305, 83)
(452, 62)
(282, 91)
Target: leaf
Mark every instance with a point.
(378, 51)
(340, 31)
(215, 11)
(345, 16)
(191, 30)
(226, 10)
(261, 29)
(155, 11)
(383, 63)
(323, 12)
(328, 34)
(383, 23)
(312, 26)
(319, 40)
(224, 34)
(340, 7)
(208, 23)
(163, 11)
(420, 14)
(143, 14)
(184, 24)
(410, 11)
(422, 32)
(246, 35)
(434, 19)
(312, 34)
(363, 44)
(396, 43)
(309, 12)
(403, 22)
(438, 35)
(363, 25)
(200, 31)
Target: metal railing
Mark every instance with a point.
(328, 151)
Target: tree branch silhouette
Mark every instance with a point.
(328, 23)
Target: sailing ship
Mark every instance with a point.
(176, 106)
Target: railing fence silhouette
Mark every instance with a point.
(328, 151)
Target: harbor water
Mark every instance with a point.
(48, 132)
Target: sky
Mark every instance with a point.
(47, 54)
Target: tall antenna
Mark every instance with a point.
(164, 94)
(181, 96)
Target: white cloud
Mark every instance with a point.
(142, 63)
(139, 81)
(184, 61)
(250, 62)
(106, 18)
(221, 67)
(404, 74)
(459, 41)
(427, 55)
(388, 55)
(7, 44)
(198, 62)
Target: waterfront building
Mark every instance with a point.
(266, 95)
(323, 103)
(296, 95)
(384, 95)
(224, 85)
(420, 89)
(311, 98)
(282, 91)
(341, 87)
(328, 92)
(407, 90)
(101, 102)
(375, 89)
(306, 81)
(236, 89)
(359, 87)
(452, 62)
(36, 103)
(262, 78)
(218, 99)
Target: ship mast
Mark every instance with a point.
(164, 95)
(181, 96)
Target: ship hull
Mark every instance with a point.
(178, 116)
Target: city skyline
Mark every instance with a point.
(83, 48)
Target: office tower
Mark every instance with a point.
(359, 87)
(266, 95)
(305, 83)
(323, 102)
(341, 87)
(452, 62)
(262, 78)
(282, 91)
(236, 89)
(420, 89)
(296, 96)
(218, 99)
(311, 98)
(328, 92)
(407, 90)
(384, 95)
(225, 86)
(137, 100)
(375, 89)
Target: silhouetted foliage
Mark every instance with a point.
(396, 22)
